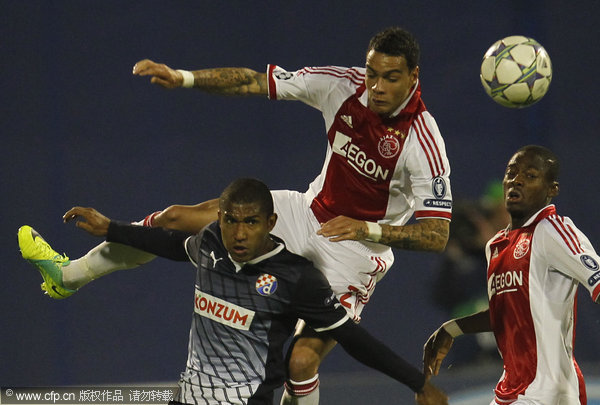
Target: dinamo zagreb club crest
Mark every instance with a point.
(266, 284)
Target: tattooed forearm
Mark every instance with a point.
(361, 234)
(231, 81)
(427, 234)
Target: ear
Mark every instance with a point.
(219, 215)
(554, 189)
(415, 74)
(271, 221)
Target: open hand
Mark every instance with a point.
(435, 350)
(161, 74)
(90, 221)
(344, 228)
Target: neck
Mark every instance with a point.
(269, 245)
(517, 219)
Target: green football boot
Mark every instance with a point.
(49, 263)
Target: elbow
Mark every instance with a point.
(439, 237)
(168, 217)
(441, 245)
(438, 249)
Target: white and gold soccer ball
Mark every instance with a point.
(516, 71)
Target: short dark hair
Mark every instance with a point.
(397, 41)
(248, 191)
(550, 160)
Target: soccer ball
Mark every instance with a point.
(516, 71)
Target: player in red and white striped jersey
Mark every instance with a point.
(386, 162)
(534, 268)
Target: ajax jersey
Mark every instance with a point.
(376, 169)
(533, 274)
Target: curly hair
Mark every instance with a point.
(397, 41)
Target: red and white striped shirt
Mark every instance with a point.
(533, 274)
(376, 169)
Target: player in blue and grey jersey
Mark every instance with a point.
(250, 292)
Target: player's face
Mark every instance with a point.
(245, 231)
(388, 81)
(526, 187)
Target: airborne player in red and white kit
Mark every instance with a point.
(385, 162)
(534, 268)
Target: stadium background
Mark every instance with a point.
(79, 129)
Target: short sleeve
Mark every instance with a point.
(429, 170)
(570, 252)
(319, 87)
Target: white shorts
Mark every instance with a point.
(520, 401)
(550, 400)
(351, 267)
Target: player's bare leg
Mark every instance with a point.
(109, 257)
(307, 353)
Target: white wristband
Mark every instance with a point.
(452, 328)
(374, 231)
(188, 78)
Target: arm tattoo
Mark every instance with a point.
(427, 234)
(231, 81)
(361, 234)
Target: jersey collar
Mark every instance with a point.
(364, 99)
(541, 214)
(238, 265)
(405, 103)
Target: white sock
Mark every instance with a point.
(100, 261)
(301, 392)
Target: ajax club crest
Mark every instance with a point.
(522, 246)
(266, 284)
(388, 146)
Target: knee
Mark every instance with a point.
(303, 363)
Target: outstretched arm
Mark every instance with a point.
(365, 348)
(439, 343)
(426, 234)
(159, 241)
(228, 81)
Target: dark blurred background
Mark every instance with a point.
(78, 128)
